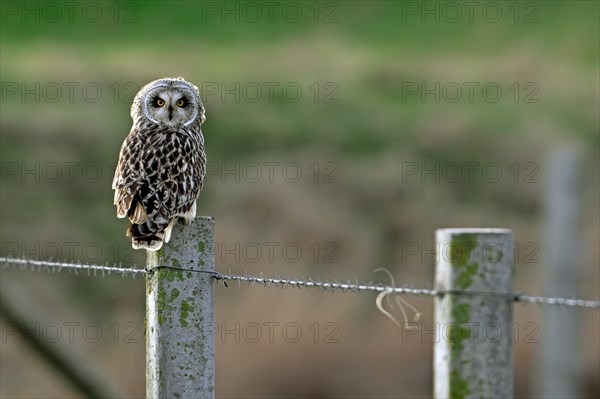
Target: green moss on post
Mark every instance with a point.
(180, 315)
(473, 355)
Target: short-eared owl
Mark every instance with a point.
(162, 163)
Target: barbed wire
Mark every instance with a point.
(57, 267)
(349, 285)
(379, 288)
(267, 282)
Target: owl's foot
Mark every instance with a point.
(151, 242)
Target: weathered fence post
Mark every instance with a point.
(560, 365)
(473, 354)
(180, 315)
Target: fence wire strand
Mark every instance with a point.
(57, 267)
(267, 282)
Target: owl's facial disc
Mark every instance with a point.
(171, 106)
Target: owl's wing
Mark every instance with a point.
(127, 178)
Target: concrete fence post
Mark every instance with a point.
(180, 350)
(473, 354)
(560, 370)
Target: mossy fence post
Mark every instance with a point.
(473, 354)
(180, 349)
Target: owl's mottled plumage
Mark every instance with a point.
(162, 163)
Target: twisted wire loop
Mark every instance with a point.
(267, 282)
(216, 275)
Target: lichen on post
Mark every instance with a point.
(473, 355)
(180, 314)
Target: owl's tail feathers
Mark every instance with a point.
(151, 241)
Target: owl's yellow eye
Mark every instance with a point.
(180, 103)
(160, 102)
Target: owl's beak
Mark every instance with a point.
(170, 112)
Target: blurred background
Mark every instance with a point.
(339, 136)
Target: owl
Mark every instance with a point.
(162, 163)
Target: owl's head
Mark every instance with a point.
(171, 102)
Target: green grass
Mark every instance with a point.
(386, 23)
(369, 53)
